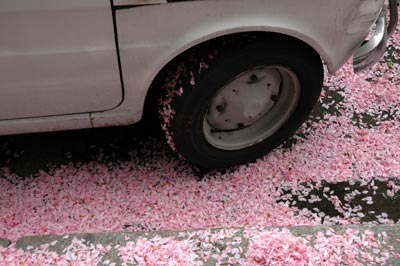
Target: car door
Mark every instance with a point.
(57, 57)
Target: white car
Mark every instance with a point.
(235, 77)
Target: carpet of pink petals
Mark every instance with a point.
(161, 193)
(280, 247)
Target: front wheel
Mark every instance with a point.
(240, 103)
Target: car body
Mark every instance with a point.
(90, 63)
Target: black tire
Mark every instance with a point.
(193, 86)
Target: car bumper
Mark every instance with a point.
(372, 50)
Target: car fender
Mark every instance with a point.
(151, 36)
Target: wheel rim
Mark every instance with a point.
(251, 107)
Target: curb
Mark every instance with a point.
(216, 242)
(4, 242)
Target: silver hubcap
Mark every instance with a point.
(251, 107)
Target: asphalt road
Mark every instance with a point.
(26, 154)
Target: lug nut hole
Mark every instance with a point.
(240, 125)
(219, 108)
(253, 78)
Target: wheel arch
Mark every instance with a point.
(216, 39)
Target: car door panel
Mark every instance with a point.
(57, 57)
